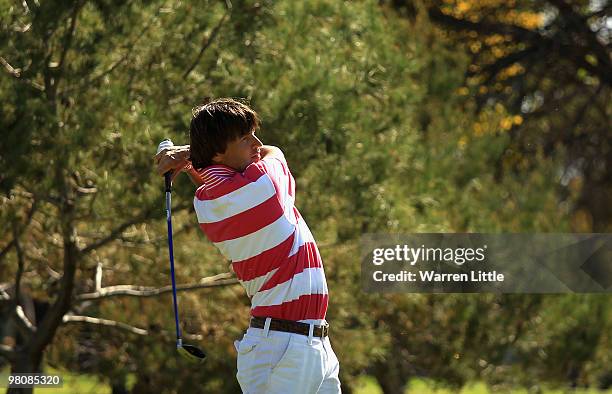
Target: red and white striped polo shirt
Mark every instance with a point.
(252, 219)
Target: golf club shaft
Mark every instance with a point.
(168, 180)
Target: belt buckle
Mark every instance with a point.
(324, 330)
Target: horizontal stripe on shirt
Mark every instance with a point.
(257, 242)
(274, 274)
(312, 306)
(306, 282)
(246, 197)
(307, 257)
(264, 262)
(244, 223)
(273, 258)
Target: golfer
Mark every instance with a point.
(245, 204)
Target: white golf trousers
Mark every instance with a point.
(275, 362)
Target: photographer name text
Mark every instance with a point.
(405, 254)
(432, 276)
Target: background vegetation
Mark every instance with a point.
(395, 116)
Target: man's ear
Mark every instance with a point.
(218, 158)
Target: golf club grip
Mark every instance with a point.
(166, 144)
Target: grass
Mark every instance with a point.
(368, 385)
(72, 383)
(85, 384)
(78, 383)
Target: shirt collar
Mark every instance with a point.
(216, 175)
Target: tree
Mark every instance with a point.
(451, 183)
(545, 66)
(362, 101)
(77, 150)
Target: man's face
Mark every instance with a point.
(240, 152)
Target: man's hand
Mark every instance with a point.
(270, 151)
(172, 159)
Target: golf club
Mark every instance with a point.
(189, 352)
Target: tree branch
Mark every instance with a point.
(4, 296)
(98, 277)
(24, 325)
(6, 249)
(224, 279)
(15, 72)
(17, 314)
(517, 32)
(205, 44)
(580, 23)
(104, 322)
(53, 318)
(575, 51)
(500, 64)
(136, 243)
(128, 51)
(123, 326)
(116, 233)
(69, 36)
(11, 244)
(20, 263)
(599, 13)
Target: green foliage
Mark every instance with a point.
(363, 104)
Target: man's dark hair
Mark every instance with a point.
(216, 123)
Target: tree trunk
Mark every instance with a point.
(390, 377)
(25, 362)
(118, 387)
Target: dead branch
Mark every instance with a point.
(67, 319)
(24, 325)
(224, 279)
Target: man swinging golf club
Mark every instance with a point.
(245, 205)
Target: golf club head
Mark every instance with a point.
(191, 353)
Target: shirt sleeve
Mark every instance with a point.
(278, 172)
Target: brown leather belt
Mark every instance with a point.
(290, 326)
